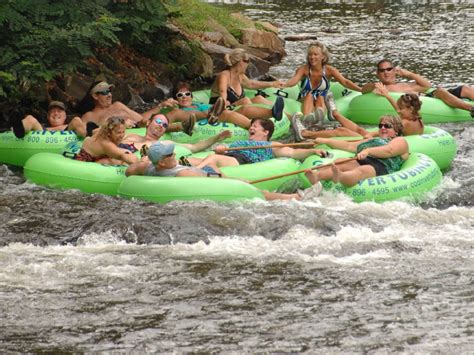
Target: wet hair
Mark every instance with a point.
(182, 85)
(235, 56)
(267, 125)
(87, 103)
(411, 101)
(324, 51)
(395, 121)
(106, 129)
(383, 61)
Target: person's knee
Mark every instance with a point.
(440, 92)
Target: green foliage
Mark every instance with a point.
(194, 16)
(41, 39)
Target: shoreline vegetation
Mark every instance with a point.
(54, 51)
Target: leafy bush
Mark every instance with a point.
(41, 39)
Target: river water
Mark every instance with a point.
(89, 273)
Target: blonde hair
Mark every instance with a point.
(324, 51)
(110, 124)
(395, 121)
(235, 56)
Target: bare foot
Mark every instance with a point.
(335, 173)
(312, 177)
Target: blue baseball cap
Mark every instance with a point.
(159, 150)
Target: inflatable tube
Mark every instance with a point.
(419, 175)
(342, 95)
(57, 171)
(204, 130)
(16, 151)
(368, 108)
(435, 142)
(166, 189)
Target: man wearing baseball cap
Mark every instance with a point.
(97, 106)
(56, 121)
(162, 162)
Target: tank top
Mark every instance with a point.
(392, 164)
(197, 106)
(152, 171)
(254, 155)
(320, 90)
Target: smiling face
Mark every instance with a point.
(157, 127)
(103, 98)
(387, 129)
(184, 97)
(56, 117)
(315, 56)
(257, 132)
(386, 73)
(117, 133)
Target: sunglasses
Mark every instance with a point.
(104, 92)
(385, 125)
(180, 95)
(381, 70)
(161, 123)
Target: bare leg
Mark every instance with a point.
(270, 196)
(235, 118)
(78, 126)
(255, 112)
(352, 177)
(217, 161)
(307, 105)
(467, 92)
(261, 100)
(451, 100)
(31, 124)
(327, 133)
(348, 124)
(312, 176)
(181, 115)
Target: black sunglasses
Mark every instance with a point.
(381, 70)
(385, 125)
(104, 92)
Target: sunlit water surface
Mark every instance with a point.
(93, 273)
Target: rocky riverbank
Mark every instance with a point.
(138, 78)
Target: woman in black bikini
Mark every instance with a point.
(230, 84)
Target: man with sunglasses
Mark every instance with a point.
(387, 74)
(97, 106)
(157, 126)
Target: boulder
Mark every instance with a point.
(264, 40)
(257, 66)
(228, 40)
(267, 26)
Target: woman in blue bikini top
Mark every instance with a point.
(315, 76)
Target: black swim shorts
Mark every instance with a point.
(380, 169)
(241, 158)
(455, 91)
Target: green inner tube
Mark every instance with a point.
(419, 175)
(368, 109)
(16, 151)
